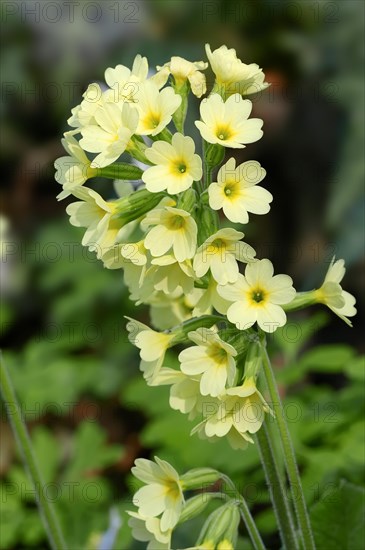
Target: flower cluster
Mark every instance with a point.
(160, 224)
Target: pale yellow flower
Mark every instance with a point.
(177, 165)
(124, 82)
(241, 408)
(147, 529)
(233, 74)
(184, 392)
(169, 310)
(111, 134)
(257, 297)
(155, 108)
(236, 191)
(341, 302)
(210, 299)
(220, 253)
(152, 345)
(162, 494)
(227, 122)
(211, 357)
(183, 70)
(169, 275)
(96, 214)
(173, 229)
(74, 170)
(84, 114)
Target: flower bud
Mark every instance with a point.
(136, 205)
(119, 171)
(179, 115)
(188, 201)
(214, 154)
(196, 505)
(221, 525)
(208, 223)
(199, 478)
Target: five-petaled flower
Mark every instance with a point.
(257, 297)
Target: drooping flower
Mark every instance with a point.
(162, 495)
(174, 229)
(177, 165)
(97, 215)
(234, 75)
(184, 392)
(239, 413)
(220, 253)
(155, 108)
(183, 70)
(169, 275)
(341, 302)
(72, 171)
(123, 82)
(227, 122)
(111, 134)
(210, 299)
(152, 344)
(84, 114)
(257, 297)
(236, 191)
(147, 529)
(211, 357)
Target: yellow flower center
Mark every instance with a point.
(172, 489)
(218, 354)
(179, 166)
(230, 189)
(152, 120)
(223, 132)
(175, 223)
(216, 247)
(257, 296)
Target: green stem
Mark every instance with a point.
(20, 431)
(277, 490)
(246, 516)
(288, 450)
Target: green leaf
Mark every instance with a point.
(355, 368)
(337, 520)
(329, 358)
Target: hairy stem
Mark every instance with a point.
(277, 490)
(46, 509)
(288, 451)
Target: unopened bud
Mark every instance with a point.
(214, 154)
(208, 223)
(221, 525)
(188, 201)
(136, 204)
(200, 478)
(196, 505)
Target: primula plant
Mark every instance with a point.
(169, 229)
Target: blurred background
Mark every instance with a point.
(62, 326)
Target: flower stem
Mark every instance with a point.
(289, 454)
(47, 512)
(246, 516)
(277, 490)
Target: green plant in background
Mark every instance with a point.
(177, 260)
